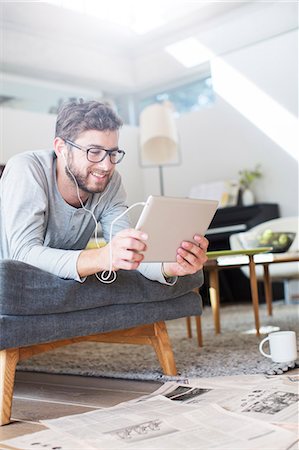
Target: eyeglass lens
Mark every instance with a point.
(97, 155)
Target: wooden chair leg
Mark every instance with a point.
(215, 298)
(154, 334)
(189, 328)
(198, 325)
(199, 331)
(8, 363)
(161, 343)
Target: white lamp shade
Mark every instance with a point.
(158, 136)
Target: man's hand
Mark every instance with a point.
(190, 258)
(125, 247)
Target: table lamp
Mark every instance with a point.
(158, 138)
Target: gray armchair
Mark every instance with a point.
(40, 312)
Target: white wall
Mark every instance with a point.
(129, 168)
(24, 130)
(219, 141)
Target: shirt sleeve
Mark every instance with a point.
(153, 271)
(24, 210)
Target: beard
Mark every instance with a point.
(83, 181)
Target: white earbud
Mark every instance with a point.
(63, 155)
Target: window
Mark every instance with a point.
(185, 98)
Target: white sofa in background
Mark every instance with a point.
(281, 271)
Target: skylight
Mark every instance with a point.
(189, 52)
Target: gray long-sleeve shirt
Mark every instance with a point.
(38, 227)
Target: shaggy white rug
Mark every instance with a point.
(233, 352)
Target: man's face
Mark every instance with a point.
(92, 177)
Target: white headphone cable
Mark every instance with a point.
(104, 277)
(82, 204)
(106, 274)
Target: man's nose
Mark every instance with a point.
(106, 163)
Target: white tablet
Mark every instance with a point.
(168, 221)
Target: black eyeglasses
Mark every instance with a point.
(98, 154)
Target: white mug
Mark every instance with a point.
(283, 346)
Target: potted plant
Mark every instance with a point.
(246, 179)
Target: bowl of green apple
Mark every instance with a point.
(279, 241)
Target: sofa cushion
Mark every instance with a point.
(27, 290)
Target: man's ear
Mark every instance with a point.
(59, 146)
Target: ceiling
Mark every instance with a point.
(47, 42)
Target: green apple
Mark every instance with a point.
(283, 239)
(267, 234)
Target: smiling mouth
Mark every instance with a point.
(100, 175)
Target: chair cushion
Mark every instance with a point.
(18, 331)
(27, 290)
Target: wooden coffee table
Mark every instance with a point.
(228, 259)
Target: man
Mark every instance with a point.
(52, 200)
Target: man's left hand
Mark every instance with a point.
(190, 258)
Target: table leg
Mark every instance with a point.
(215, 297)
(199, 331)
(268, 289)
(254, 294)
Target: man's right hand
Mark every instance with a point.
(125, 246)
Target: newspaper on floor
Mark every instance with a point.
(269, 398)
(189, 394)
(161, 423)
(247, 381)
(45, 439)
(187, 416)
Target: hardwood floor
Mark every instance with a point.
(40, 396)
